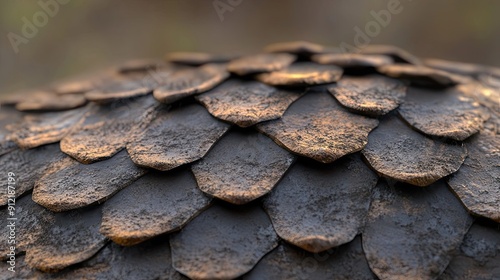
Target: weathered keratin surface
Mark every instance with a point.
(412, 233)
(28, 166)
(370, 95)
(302, 74)
(317, 127)
(447, 114)
(216, 245)
(242, 167)
(68, 184)
(155, 204)
(258, 63)
(107, 129)
(247, 103)
(188, 82)
(176, 137)
(398, 152)
(477, 183)
(295, 173)
(320, 207)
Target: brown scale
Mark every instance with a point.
(297, 175)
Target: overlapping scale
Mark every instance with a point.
(400, 153)
(223, 242)
(8, 115)
(155, 204)
(39, 129)
(479, 255)
(148, 260)
(422, 76)
(370, 95)
(65, 239)
(52, 241)
(258, 63)
(317, 127)
(353, 61)
(247, 103)
(412, 233)
(119, 89)
(188, 82)
(176, 137)
(51, 102)
(398, 54)
(107, 129)
(287, 262)
(26, 219)
(241, 167)
(27, 167)
(449, 114)
(69, 184)
(477, 182)
(302, 74)
(320, 207)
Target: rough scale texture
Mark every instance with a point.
(398, 152)
(302, 74)
(370, 95)
(258, 63)
(316, 127)
(242, 167)
(126, 88)
(28, 166)
(155, 204)
(68, 184)
(479, 255)
(8, 115)
(107, 129)
(477, 183)
(353, 60)
(399, 55)
(176, 137)
(149, 260)
(448, 114)
(420, 75)
(188, 82)
(65, 239)
(247, 103)
(44, 128)
(51, 102)
(317, 188)
(320, 207)
(31, 219)
(412, 233)
(290, 263)
(217, 245)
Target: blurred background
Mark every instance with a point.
(77, 36)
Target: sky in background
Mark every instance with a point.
(83, 35)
